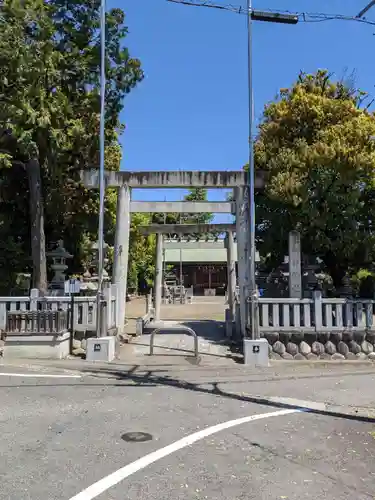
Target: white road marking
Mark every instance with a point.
(116, 477)
(38, 375)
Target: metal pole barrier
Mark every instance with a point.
(184, 329)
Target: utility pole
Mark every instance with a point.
(368, 7)
(100, 297)
(181, 275)
(256, 15)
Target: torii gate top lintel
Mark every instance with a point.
(172, 179)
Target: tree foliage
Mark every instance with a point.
(197, 194)
(194, 194)
(49, 99)
(315, 146)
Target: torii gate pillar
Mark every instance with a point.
(121, 252)
(243, 256)
(231, 270)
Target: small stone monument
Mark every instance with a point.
(295, 274)
(59, 256)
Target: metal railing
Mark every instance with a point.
(183, 329)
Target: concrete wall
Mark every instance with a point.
(37, 346)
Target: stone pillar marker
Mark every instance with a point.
(121, 252)
(295, 274)
(231, 269)
(158, 275)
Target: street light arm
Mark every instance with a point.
(367, 8)
(274, 17)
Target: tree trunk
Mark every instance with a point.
(38, 241)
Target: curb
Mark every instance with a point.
(275, 371)
(41, 367)
(350, 413)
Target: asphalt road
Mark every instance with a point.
(61, 435)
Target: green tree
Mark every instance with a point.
(197, 194)
(194, 194)
(315, 146)
(77, 25)
(49, 89)
(141, 267)
(27, 109)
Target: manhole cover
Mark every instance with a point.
(136, 437)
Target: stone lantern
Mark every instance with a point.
(59, 256)
(346, 290)
(24, 282)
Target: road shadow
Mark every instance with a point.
(154, 378)
(166, 380)
(179, 350)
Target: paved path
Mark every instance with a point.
(62, 435)
(202, 308)
(205, 316)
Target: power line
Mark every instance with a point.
(366, 9)
(307, 17)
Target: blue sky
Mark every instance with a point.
(190, 111)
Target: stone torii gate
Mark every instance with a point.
(212, 243)
(161, 229)
(125, 181)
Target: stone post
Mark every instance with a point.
(346, 292)
(121, 252)
(242, 234)
(158, 275)
(318, 310)
(295, 274)
(231, 269)
(34, 295)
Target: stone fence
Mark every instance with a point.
(318, 328)
(84, 308)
